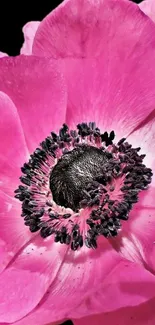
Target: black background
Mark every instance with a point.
(13, 16)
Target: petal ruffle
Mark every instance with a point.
(28, 278)
(29, 31)
(137, 239)
(2, 54)
(140, 315)
(80, 274)
(36, 86)
(109, 95)
(14, 235)
(19, 293)
(90, 28)
(144, 136)
(148, 7)
(127, 285)
(13, 149)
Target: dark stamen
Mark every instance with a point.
(82, 176)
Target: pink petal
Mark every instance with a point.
(148, 6)
(127, 285)
(109, 95)
(37, 88)
(137, 240)
(81, 273)
(13, 150)
(2, 54)
(29, 31)
(28, 278)
(140, 315)
(13, 233)
(20, 292)
(144, 136)
(89, 28)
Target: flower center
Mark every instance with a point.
(80, 185)
(74, 173)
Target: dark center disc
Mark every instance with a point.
(73, 173)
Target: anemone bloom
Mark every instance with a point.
(77, 131)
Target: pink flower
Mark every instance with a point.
(77, 207)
